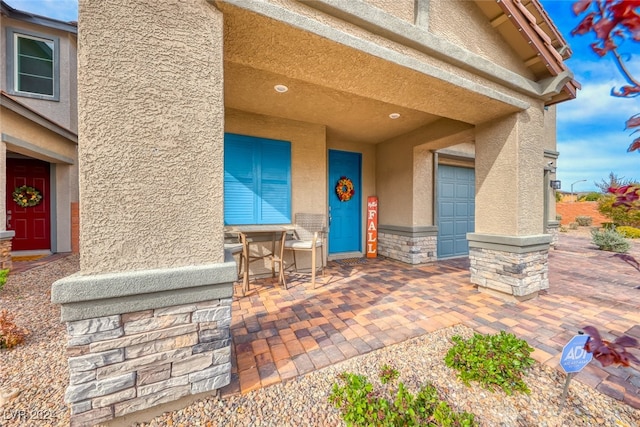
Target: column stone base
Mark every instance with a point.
(145, 338)
(5, 249)
(413, 245)
(553, 229)
(513, 267)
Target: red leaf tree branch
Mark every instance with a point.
(615, 22)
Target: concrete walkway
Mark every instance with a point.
(279, 334)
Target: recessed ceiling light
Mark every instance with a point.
(394, 115)
(281, 88)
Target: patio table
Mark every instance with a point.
(258, 234)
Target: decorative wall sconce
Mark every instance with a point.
(555, 184)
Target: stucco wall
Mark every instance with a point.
(150, 147)
(463, 23)
(25, 130)
(403, 9)
(64, 111)
(509, 175)
(423, 186)
(308, 155)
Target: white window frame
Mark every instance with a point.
(12, 36)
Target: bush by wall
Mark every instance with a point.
(610, 240)
(619, 215)
(584, 221)
(629, 232)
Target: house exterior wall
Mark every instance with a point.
(461, 22)
(151, 205)
(175, 149)
(150, 138)
(21, 135)
(44, 144)
(36, 137)
(403, 9)
(63, 111)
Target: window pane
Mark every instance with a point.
(33, 84)
(35, 66)
(35, 48)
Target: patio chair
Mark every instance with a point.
(233, 243)
(279, 259)
(308, 236)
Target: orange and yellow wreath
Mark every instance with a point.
(344, 189)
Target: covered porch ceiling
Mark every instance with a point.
(350, 91)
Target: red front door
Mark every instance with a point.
(32, 224)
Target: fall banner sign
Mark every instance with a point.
(372, 227)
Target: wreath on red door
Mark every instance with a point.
(26, 196)
(344, 189)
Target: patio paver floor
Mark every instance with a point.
(279, 334)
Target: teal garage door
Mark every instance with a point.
(456, 210)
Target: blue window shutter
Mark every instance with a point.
(257, 180)
(275, 183)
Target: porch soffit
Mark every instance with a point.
(350, 86)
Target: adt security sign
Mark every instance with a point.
(574, 356)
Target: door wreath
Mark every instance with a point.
(26, 196)
(344, 189)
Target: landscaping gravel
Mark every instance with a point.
(38, 371)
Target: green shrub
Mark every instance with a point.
(584, 221)
(3, 278)
(609, 240)
(573, 226)
(608, 225)
(495, 361)
(558, 217)
(618, 215)
(629, 232)
(591, 197)
(362, 405)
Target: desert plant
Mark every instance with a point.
(619, 215)
(573, 226)
(3, 277)
(629, 232)
(584, 221)
(609, 240)
(611, 353)
(10, 334)
(362, 405)
(591, 197)
(558, 217)
(558, 196)
(495, 361)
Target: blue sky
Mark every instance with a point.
(591, 136)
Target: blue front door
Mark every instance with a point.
(456, 210)
(345, 218)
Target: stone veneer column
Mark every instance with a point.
(5, 249)
(508, 252)
(553, 229)
(148, 315)
(512, 267)
(413, 245)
